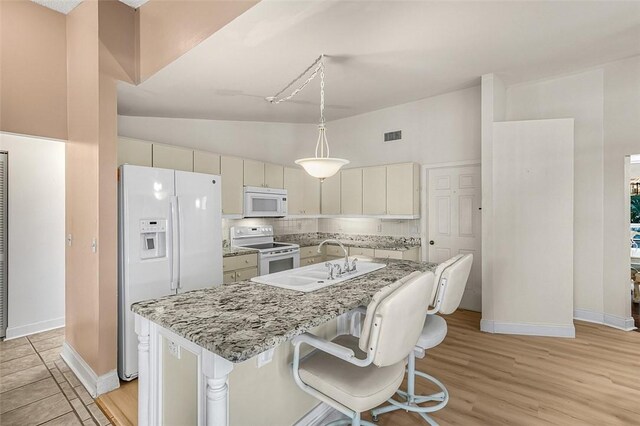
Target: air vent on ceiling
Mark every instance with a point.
(393, 136)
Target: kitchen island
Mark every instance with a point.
(222, 328)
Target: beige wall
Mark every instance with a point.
(82, 298)
(168, 29)
(33, 78)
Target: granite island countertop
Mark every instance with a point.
(362, 241)
(240, 320)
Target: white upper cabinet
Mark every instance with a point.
(311, 191)
(374, 190)
(231, 169)
(403, 189)
(273, 175)
(136, 152)
(253, 173)
(172, 157)
(293, 183)
(330, 190)
(351, 192)
(206, 162)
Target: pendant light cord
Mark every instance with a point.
(319, 64)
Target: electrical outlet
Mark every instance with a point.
(174, 349)
(379, 228)
(265, 357)
(299, 225)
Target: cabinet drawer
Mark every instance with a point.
(239, 262)
(246, 274)
(361, 251)
(310, 261)
(308, 251)
(229, 277)
(389, 254)
(329, 258)
(334, 250)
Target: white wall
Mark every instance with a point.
(580, 96)
(36, 242)
(440, 129)
(605, 102)
(280, 143)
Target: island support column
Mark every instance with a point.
(216, 371)
(213, 401)
(144, 365)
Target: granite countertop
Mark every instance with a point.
(363, 241)
(236, 251)
(240, 320)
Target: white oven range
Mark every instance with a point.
(272, 256)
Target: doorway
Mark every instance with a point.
(454, 223)
(634, 220)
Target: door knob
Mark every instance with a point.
(432, 242)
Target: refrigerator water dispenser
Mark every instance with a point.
(153, 241)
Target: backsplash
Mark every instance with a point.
(367, 226)
(383, 240)
(355, 227)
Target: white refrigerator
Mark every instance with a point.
(170, 241)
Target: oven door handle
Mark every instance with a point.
(287, 253)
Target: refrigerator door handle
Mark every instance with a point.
(174, 243)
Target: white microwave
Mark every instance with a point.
(264, 202)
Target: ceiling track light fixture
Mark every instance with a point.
(322, 166)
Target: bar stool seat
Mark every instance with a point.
(433, 332)
(358, 388)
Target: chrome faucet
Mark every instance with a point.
(329, 266)
(346, 255)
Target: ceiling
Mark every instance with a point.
(66, 6)
(380, 53)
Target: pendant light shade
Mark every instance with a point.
(322, 168)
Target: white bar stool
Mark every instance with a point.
(451, 279)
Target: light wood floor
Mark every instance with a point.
(593, 379)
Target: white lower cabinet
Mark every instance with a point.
(239, 268)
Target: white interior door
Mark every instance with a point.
(454, 223)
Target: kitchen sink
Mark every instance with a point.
(313, 277)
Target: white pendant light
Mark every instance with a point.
(322, 166)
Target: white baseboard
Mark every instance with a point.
(95, 385)
(550, 330)
(609, 320)
(621, 323)
(36, 327)
(589, 316)
(320, 414)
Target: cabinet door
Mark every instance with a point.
(206, 162)
(293, 183)
(331, 194)
(229, 277)
(231, 169)
(311, 189)
(351, 192)
(172, 157)
(273, 176)
(253, 173)
(133, 151)
(403, 189)
(374, 190)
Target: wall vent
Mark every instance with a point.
(393, 136)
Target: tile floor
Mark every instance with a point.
(37, 387)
